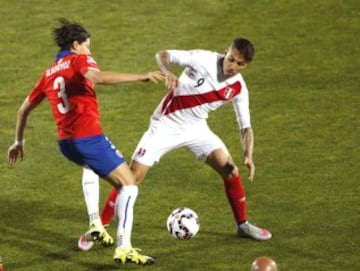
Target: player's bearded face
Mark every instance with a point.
(233, 62)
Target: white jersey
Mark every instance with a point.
(201, 91)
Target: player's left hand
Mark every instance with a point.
(251, 168)
(15, 151)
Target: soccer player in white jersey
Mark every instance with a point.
(208, 81)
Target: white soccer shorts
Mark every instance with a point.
(156, 142)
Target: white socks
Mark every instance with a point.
(124, 206)
(124, 210)
(90, 185)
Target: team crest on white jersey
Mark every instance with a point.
(141, 152)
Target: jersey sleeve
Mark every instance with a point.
(83, 63)
(186, 57)
(241, 107)
(37, 94)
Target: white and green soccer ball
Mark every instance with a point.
(183, 223)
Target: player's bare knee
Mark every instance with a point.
(117, 185)
(113, 181)
(231, 170)
(234, 172)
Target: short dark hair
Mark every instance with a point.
(67, 33)
(245, 47)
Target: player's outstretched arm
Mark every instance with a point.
(113, 78)
(247, 140)
(163, 61)
(16, 150)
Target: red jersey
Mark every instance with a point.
(71, 96)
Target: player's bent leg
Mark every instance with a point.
(124, 212)
(121, 176)
(235, 192)
(221, 161)
(139, 170)
(107, 213)
(124, 255)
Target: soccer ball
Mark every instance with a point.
(183, 223)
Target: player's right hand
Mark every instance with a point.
(15, 151)
(171, 81)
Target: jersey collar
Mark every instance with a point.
(62, 54)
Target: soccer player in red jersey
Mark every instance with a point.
(69, 84)
(209, 81)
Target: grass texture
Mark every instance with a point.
(304, 96)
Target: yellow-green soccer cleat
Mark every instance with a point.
(99, 234)
(123, 255)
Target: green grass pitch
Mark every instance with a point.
(305, 100)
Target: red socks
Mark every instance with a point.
(235, 192)
(108, 212)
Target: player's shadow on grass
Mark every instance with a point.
(109, 267)
(35, 227)
(228, 235)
